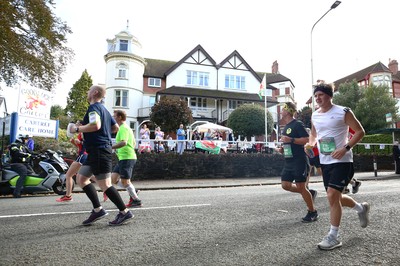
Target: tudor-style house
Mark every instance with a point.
(212, 90)
(377, 74)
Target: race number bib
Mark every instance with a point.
(327, 145)
(287, 150)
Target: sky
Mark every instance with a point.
(355, 35)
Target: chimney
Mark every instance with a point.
(275, 67)
(393, 66)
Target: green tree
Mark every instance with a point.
(249, 120)
(32, 43)
(58, 113)
(77, 103)
(169, 113)
(304, 115)
(349, 94)
(372, 108)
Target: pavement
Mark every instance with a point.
(235, 182)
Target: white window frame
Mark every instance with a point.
(197, 78)
(235, 82)
(152, 100)
(233, 104)
(198, 103)
(132, 125)
(121, 98)
(154, 82)
(122, 45)
(122, 71)
(383, 80)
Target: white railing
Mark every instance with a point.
(144, 112)
(199, 112)
(153, 146)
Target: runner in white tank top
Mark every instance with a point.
(330, 125)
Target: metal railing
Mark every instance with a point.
(250, 146)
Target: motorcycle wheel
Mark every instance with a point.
(59, 188)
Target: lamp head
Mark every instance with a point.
(335, 4)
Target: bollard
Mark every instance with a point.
(375, 166)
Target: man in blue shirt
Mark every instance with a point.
(97, 126)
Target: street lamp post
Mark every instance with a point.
(312, 69)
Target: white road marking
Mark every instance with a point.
(112, 210)
(285, 211)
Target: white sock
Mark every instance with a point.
(334, 231)
(131, 191)
(358, 207)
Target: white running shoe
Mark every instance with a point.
(329, 242)
(364, 215)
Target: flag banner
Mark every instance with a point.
(209, 146)
(263, 86)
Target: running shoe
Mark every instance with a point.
(134, 203)
(329, 242)
(356, 186)
(94, 216)
(64, 198)
(121, 218)
(310, 217)
(364, 215)
(314, 194)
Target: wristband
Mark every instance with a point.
(77, 129)
(347, 147)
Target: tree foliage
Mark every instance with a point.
(58, 113)
(249, 120)
(370, 105)
(304, 115)
(169, 113)
(77, 103)
(349, 94)
(32, 43)
(372, 108)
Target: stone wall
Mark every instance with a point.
(235, 165)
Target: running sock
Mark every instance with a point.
(113, 195)
(131, 191)
(334, 231)
(358, 207)
(91, 193)
(130, 188)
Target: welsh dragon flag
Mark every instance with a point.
(263, 86)
(209, 146)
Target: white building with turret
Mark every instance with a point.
(124, 75)
(212, 90)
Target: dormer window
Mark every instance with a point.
(123, 45)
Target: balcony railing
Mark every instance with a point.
(144, 112)
(203, 112)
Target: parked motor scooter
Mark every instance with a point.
(48, 174)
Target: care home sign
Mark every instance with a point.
(34, 102)
(33, 116)
(37, 127)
